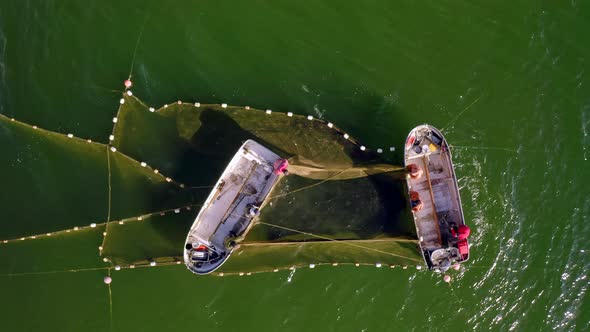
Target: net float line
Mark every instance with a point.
(269, 112)
(110, 147)
(104, 223)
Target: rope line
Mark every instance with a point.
(318, 183)
(460, 113)
(137, 43)
(79, 228)
(482, 148)
(110, 303)
(53, 272)
(341, 241)
(109, 170)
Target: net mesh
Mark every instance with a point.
(340, 204)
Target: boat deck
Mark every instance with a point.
(247, 181)
(441, 204)
(437, 187)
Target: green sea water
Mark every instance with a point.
(507, 82)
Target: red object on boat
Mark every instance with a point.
(415, 201)
(464, 232)
(463, 247)
(201, 248)
(280, 166)
(410, 141)
(415, 171)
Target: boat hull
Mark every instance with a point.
(231, 207)
(434, 198)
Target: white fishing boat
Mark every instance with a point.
(435, 200)
(234, 202)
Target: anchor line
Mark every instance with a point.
(341, 241)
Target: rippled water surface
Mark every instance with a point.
(507, 82)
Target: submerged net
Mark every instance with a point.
(341, 203)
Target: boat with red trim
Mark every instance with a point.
(435, 199)
(232, 205)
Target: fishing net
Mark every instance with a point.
(57, 182)
(336, 190)
(340, 204)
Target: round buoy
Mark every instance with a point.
(346, 136)
(152, 263)
(447, 278)
(143, 164)
(129, 93)
(311, 266)
(152, 109)
(309, 117)
(108, 280)
(93, 225)
(122, 101)
(117, 268)
(378, 265)
(289, 114)
(128, 83)
(456, 266)
(330, 125)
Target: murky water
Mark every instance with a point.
(506, 82)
